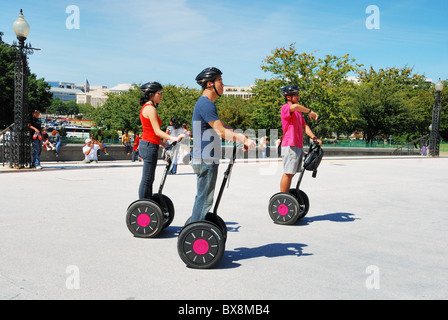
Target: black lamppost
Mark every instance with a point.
(434, 138)
(20, 144)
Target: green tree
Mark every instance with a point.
(235, 111)
(177, 102)
(323, 81)
(7, 58)
(120, 111)
(266, 102)
(72, 107)
(86, 109)
(388, 102)
(39, 96)
(57, 106)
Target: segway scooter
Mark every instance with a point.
(201, 244)
(145, 218)
(287, 207)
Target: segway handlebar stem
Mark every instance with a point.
(168, 157)
(226, 176)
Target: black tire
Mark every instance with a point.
(167, 208)
(201, 245)
(144, 219)
(283, 208)
(218, 221)
(214, 218)
(304, 202)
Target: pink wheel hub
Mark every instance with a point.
(143, 220)
(200, 246)
(282, 209)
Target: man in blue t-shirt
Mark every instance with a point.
(208, 147)
(208, 130)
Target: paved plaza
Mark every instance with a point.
(376, 229)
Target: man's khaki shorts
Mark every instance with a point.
(292, 159)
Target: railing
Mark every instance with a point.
(409, 144)
(5, 140)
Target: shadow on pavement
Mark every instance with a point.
(274, 250)
(335, 217)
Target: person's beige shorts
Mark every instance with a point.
(292, 159)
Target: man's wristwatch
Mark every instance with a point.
(314, 139)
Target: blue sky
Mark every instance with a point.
(137, 41)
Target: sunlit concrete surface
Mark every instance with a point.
(376, 229)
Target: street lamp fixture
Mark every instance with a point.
(439, 86)
(21, 27)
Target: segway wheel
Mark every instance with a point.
(304, 202)
(201, 245)
(144, 219)
(167, 208)
(283, 208)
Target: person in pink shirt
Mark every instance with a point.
(293, 125)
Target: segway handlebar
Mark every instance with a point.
(313, 158)
(170, 150)
(171, 145)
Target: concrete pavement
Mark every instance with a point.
(376, 229)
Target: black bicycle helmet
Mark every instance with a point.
(313, 158)
(206, 75)
(150, 87)
(290, 90)
(148, 90)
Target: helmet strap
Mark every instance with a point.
(155, 105)
(214, 87)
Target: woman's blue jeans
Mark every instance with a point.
(149, 153)
(206, 172)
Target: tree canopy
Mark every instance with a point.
(384, 103)
(39, 96)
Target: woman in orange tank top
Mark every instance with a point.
(151, 136)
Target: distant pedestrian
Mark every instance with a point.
(278, 146)
(425, 150)
(184, 149)
(100, 138)
(46, 140)
(36, 139)
(135, 147)
(90, 151)
(57, 140)
(173, 130)
(262, 146)
(126, 142)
